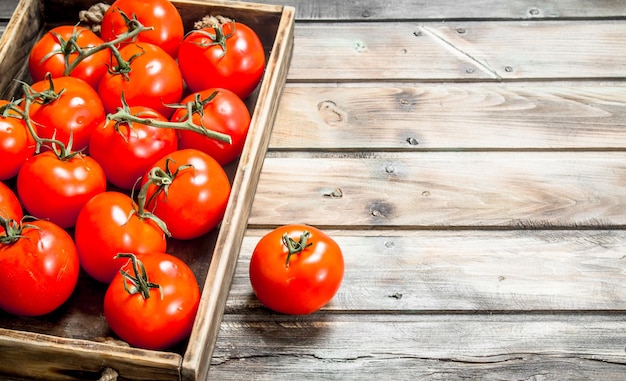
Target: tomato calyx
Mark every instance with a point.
(218, 38)
(295, 247)
(13, 229)
(122, 115)
(162, 179)
(138, 282)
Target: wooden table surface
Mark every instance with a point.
(470, 159)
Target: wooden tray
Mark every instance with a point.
(72, 343)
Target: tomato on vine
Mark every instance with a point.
(226, 55)
(152, 302)
(39, 267)
(161, 15)
(64, 107)
(127, 150)
(110, 223)
(220, 110)
(16, 142)
(56, 51)
(56, 187)
(10, 207)
(189, 191)
(146, 76)
(296, 269)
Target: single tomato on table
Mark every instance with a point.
(57, 187)
(296, 269)
(147, 76)
(219, 110)
(189, 191)
(127, 150)
(229, 56)
(152, 302)
(39, 267)
(57, 50)
(108, 224)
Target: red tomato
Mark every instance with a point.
(10, 207)
(162, 15)
(195, 200)
(108, 224)
(127, 151)
(56, 189)
(301, 282)
(157, 311)
(55, 51)
(230, 57)
(16, 143)
(76, 108)
(220, 110)
(39, 269)
(154, 80)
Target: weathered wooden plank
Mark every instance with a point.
(424, 347)
(451, 9)
(443, 9)
(467, 270)
(452, 116)
(444, 189)
(463, 51)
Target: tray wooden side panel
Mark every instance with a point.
(197, 358)
(26, 354)
(22, 31)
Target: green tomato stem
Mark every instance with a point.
(294, 247)
(138, 282)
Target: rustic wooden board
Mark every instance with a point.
(442, 9)
(462, 51)
(425, 347)
(436, 271)
(47, 343)
(418, 116)
(363, 10)
(514, 190)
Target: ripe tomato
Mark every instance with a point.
(195, 200)
(10, 207)
(230, 56)
(57, 188)
(76, 108)
(157, 311)
(154, 80)
(56, 50)
(39, 267)
(108, 224)
(301, 282)
(126, 151)
(16, 143)
(220, 110)
(162, 15)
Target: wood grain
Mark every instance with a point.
(463, 51)
(466, 271)
(367, 10)
(444, 189)
(406, 347)
(452, 116)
